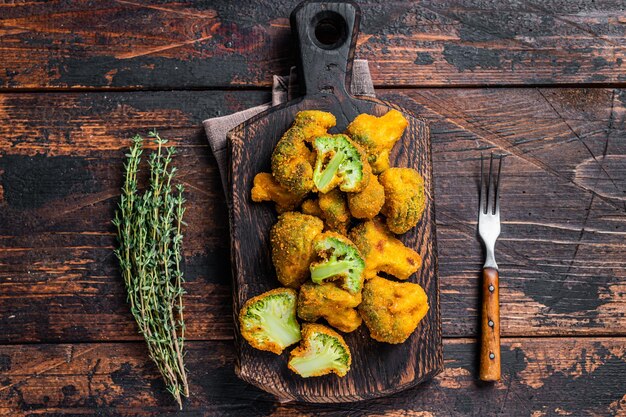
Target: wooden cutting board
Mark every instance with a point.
(326, 34)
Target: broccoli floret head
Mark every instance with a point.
(314, 123)
(337, 259)
(291, 239)
(327, 301)
(292, 159)
(268, 321)
(340, 163)
(290, 162)
(367, 203)
(392, 310)
(321, 352)
(311, 207)
(335, 211)
(405, 199)
(383, 252)
(377, 135)
(266, 188)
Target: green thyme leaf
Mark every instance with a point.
(150, 245)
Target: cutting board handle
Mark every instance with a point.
(326, 33)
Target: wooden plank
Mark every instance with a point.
(541, 377)
(562, 252)
(124, 43)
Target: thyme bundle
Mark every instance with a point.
(149, 233)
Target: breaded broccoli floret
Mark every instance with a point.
(291, 239)
(383, 252)
(340, 163)
(335, 210)
(331, 303)
(404, 198)
(321, 352)
(268, 321)
(314, 123)
(377, 135)
(267, 189)
(392, 310)
(330, 207)
(337, 259)
(312, 208)
(367, 203)
(291, 159)
(290, 162)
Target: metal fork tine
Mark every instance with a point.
(488, 206)
(497, 194)
(483, 197)
(482, 180)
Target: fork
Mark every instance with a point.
(489, 230)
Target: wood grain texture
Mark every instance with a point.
(541, 377)
(377, 369)
(490, 364)
(561, 254)
(174, 44)
(61, 156)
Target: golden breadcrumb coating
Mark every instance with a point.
(392, 310)
(377, 135)
(405, 199)
(291, 239)
(383, 252)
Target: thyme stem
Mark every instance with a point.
(150, 245)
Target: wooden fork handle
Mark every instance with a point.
(490, 326)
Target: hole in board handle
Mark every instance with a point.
(330, 30)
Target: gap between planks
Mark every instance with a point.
(87, 89)
(611, 336)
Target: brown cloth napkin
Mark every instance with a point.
(283, 89)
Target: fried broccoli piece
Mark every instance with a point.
(392, 310)
(321, 352)
(337, 259)
(335, 211)
(291, 159)
(290, 162)
(267, 189)
(268, 321)
(340, 163)
(404, 198)
(312, 208)
(377, 135)
(314, 123)
(331, 303)
(330, 207)
(291, 239)
(367, 203)
(383, 252)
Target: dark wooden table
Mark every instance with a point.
(539, 80)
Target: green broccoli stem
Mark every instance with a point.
(329, 269)
(285, 335)
(315, 362)
(329, 172)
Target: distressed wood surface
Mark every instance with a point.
(540, 377)
(68, 345)
(172, 44)
(561, 252)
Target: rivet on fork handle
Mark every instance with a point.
(490, 327)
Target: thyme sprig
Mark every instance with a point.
(150, 239)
